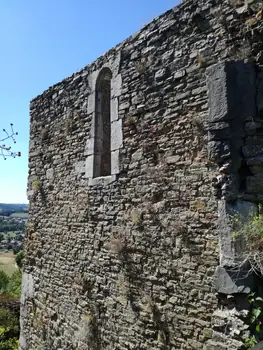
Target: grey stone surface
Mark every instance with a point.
(218, 151)
(259, 346)
(242, 209)
(127, 260)
(232, 90)
(255, 184)
(218, 93)
(231, 281)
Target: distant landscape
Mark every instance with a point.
(7, 209)
(13, 219)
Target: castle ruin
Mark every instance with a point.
(136, 164)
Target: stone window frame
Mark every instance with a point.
(116, 125)
(102, 142)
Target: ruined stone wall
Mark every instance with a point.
(127, 261)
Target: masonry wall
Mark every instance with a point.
(129, 263)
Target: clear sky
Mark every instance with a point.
(43, 42)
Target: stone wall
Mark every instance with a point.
(127, 260)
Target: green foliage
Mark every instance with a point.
(14, 285)
(250, 342)
(4, 281)
(11, 285)
(9, 330)
(11, 225)
(36, 185)
(9, 322)
(136, 217)
(255, 321)
(9, 344)
(19, 259)
(251, 231)
(255, 5)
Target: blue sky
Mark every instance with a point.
(43, 42)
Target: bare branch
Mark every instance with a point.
(5, 150)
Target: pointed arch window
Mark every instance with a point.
(102, 142)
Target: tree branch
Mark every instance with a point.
(5, 150)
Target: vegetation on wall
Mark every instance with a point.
(249, 233)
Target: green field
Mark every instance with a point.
(10, 234)
(7, 262)
(19, 215)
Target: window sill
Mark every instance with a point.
(102, 180)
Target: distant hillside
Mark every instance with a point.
(8, 209)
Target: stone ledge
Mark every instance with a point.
(102, 180)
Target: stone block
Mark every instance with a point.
(114, 109)
(80, 167)
(219, 131)
(259, 346)
(231, 281)
(231, 91)
(218, 151)
(255, 184)
(89, 148)
(89, 166)
(116, 85)
(91, 103)
(115, 162)
(116, 134)
(255, 164)
(180, 74)
(252, 150)
(50, 174)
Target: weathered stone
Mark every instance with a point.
(255, 184)
(255, 164)
(124, 258)
(259, 346)
(219, 131)
(230, 281)
(218, 151)
(253, 150)
(232, 91)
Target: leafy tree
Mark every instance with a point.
(9, 344)
(4, 281)
(5, 150)
(9, 330)
(19, 259)
(14, 285)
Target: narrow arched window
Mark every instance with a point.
(102, 147)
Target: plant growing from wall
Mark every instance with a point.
(117, 244)
(201, 61)
(36, 185)
(136, 217)
(88, 331)
(250, 233)
(255, 320)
